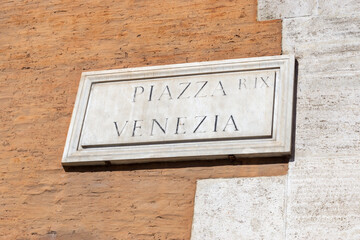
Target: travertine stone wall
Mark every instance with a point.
(44, 46)
(324, 178)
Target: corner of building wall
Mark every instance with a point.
(320, 33)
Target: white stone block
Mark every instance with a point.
(324, 198)
(240, 208)
(328, 109)
(322, 36)
(328, 115)
(339, 7)
(280, 9)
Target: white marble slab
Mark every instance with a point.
(184, 111)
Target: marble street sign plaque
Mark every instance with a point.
(205, 110)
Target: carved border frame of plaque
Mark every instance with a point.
(279, 144)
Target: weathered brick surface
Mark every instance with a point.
(44, 46)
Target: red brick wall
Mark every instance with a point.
(44, 47)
